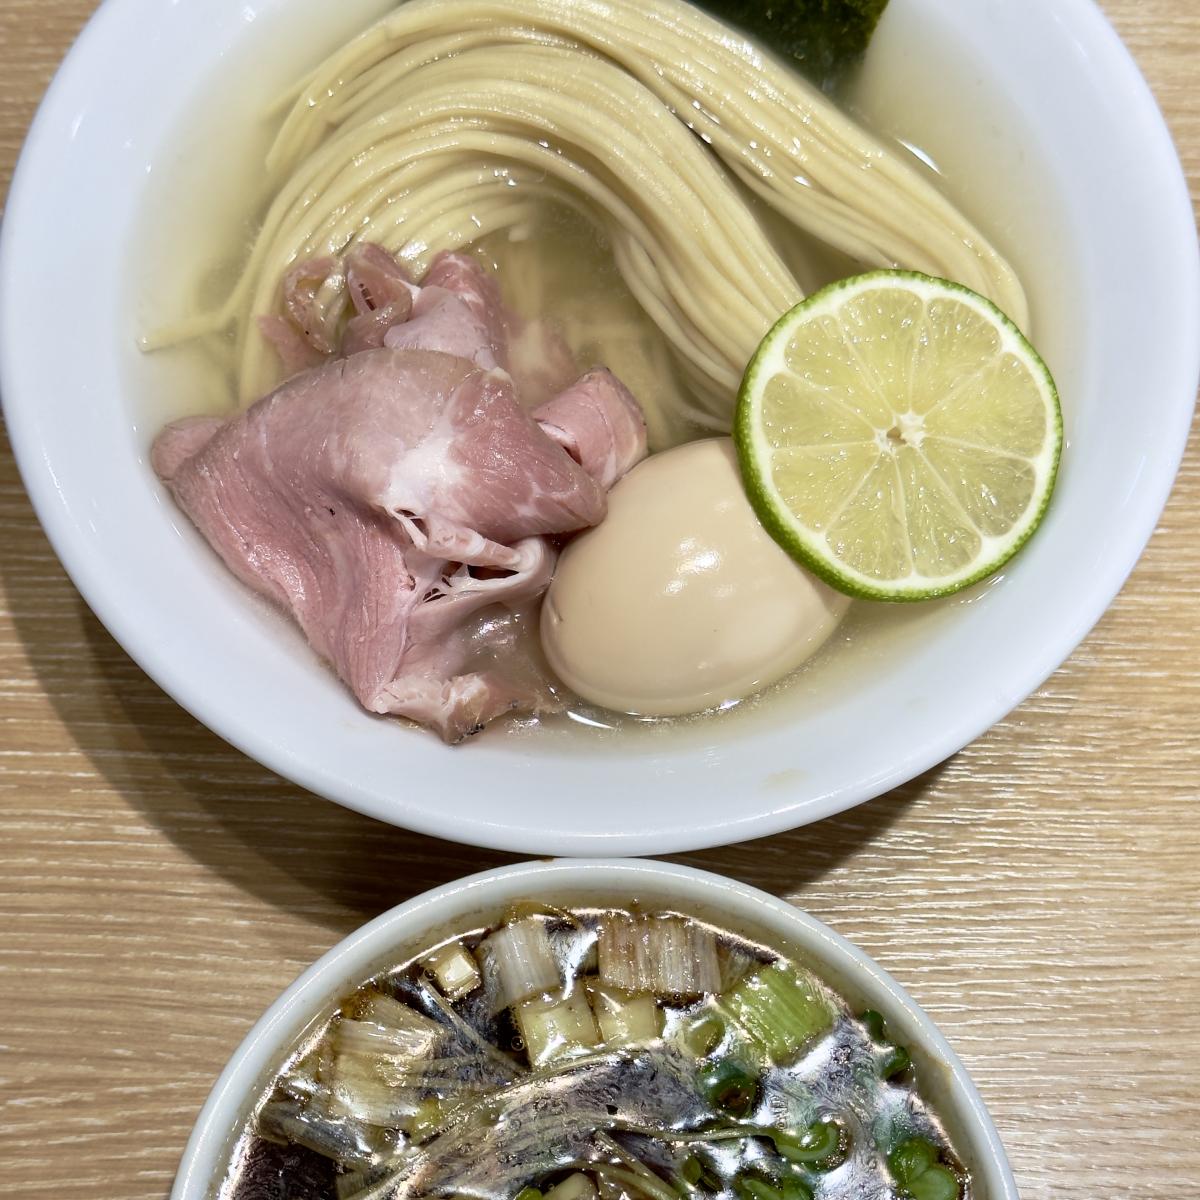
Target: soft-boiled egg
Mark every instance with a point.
(680, 600)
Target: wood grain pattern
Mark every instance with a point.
(1038, 892)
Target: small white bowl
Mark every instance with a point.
(483, 898)
(1050, 126)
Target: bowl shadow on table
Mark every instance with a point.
(352, 859)
(289, 847)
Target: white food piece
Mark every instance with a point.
(553, 1028)
(454, 969)
(663, 955)
(680, 600)
(625, 1019)
(574, 1187)
(521, 954)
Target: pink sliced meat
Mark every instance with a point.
(388, 500)
(466, 278)
(598, 423)
(294, 351)
(382, 294)
(457, 309)
(444, 685)
(376, 279)
(301, 288)
(539, 360)
(187, 438)
(443, 321)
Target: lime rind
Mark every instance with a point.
(810, 547)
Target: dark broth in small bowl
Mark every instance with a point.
(602, 1031)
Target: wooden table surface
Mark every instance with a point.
(1037, 893)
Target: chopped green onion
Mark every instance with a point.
(703, 1036)
(625, 1019)
(731, 1088)
(896, 1062)
(401, 1021)
(782, 1009)
(750, 1187)
(911, 1159)
(668, 956)
(454, 968)
(794, 1189)
(914, 1163)
(554, 1029)
(528, 1193)
(684, 954)
(381, 1063)
(427, 1118)
(936, 1183)
(819, 1145)
(523, 959)
(623, 952)
(874, 1024)
(734, 963)
(575, 1187)
(432, 1115)
(696, 1173)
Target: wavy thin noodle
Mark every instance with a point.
(453, 119)
(708, 76)
(373, 93)
(855, 233)
(666, 212)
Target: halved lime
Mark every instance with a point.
(898, 435)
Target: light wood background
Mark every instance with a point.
(1038, 893)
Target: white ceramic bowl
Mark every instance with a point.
(1051, 130)
(483, 898)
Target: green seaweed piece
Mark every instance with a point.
(823, 38)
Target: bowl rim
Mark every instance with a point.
(154, 654)
(347, 962)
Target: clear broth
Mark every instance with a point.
(980, 153)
